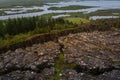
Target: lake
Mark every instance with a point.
(99, 5)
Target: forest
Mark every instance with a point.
(34, 24)
(16, 30)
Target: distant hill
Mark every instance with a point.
(4, 1)
(9, 3)
(30, 0)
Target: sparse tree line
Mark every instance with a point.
(41, 25)
(13, 31)
(33, 24)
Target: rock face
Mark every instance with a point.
(29, 63)
(95, 54)
(92, 50)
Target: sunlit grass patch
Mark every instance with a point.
(77, 20)
(9, 40)
(60, 65)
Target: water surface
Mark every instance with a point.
(100, 5)
(102, 17)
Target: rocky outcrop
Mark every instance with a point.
(40, 38)
(29, 63)
(96, 56)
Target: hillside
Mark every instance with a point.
(93, 55)
(34, 2)
(11, 3)
(59, 40)
(7, 1)
(89, 52)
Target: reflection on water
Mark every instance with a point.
(102, 17)
(62, 15)
(100, 5)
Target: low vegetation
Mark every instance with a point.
(78, 14)
(77, 20)
(72, 14)
(61, 65)
(102, 25)
(108, 12)
(13, 31)
(72, 7)
(51, 14)
(16, 30)
(34, 10)
(1, 12)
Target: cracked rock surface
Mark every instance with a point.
(96, 55)
(30, 63)
(92, 50)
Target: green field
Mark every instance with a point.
(78, 14)
(16, 30)
(1, 12)
(77, 20)
(34, 10)
(73, 7)
(108, 12)
(13, 31)
(72, 14)
(9, 40)
(42, 25)
(50, 15)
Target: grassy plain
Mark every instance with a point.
(17, 30)
(72, 14)
(76, 20)
(9, 40)
(108, 12)
(72, 7)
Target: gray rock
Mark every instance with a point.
(95, 54)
